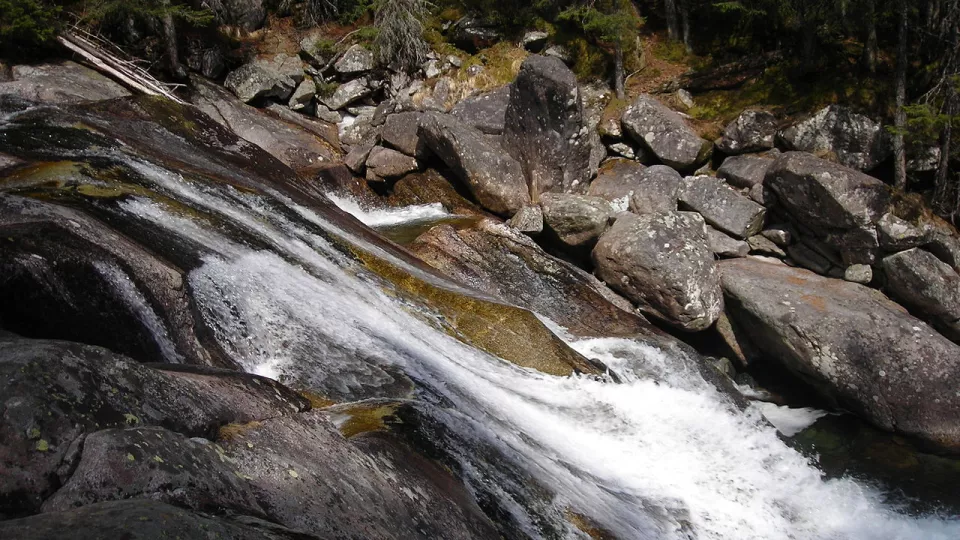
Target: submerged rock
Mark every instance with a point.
(663, 262)
(861, 350)
(545, 129)
(664, 133)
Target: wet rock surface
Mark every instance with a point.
(66, 82)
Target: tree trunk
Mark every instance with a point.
(869, 59)
(685, 21)
(942, 191)
(900, 120)
(673, 24)
(618, 72)
(176, 69)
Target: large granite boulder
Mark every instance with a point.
(927, 286)
(745, 171)
(275, 77)
(355, 60)
(300, 149)
(617, 181)
(663, 263)
(576, 220)
(836, 202)
(658, 190)
(64, 82)
(494, 178)
(897, 234)
(722, 206)
(507, 264)
(486, 111)
(844, 136)
(861, 350)
(545, 130)
(752, 131)
(401, 131)
(385, 163)
(664, 133)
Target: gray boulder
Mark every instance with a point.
(494, 179)
(763, 196)
(809, 258)
(64, 82)
(348, 93)
(356, 159)
(663, 263)
(853, 344)
(617, 181)
(722, 206)
(946, 248)
(528, 220)
(303, 95)
(658, 190)
(765, 246)
(401, 131)
(249, 15)
(744, 171)
(837, 132)
(357, 59)
(752, 131)
(897, 234)
(859, 273)
(544, 128)
(664, 133)
(275, 77)
(927, 286)
(576, 220)
(534, 40)
(834, 201)
(486, 111)
(385, 163)
(724, 245)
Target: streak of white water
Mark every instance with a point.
(789, 420)
(663, 455)
(390, 216)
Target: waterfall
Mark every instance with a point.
(662, 454)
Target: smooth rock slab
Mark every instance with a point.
(663, 263)
(722, 206)
(856, 346)
(926, 285)
(65, 82)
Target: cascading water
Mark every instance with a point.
(661, 455)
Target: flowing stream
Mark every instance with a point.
(663, 454)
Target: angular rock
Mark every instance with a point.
(275, 77)
(664, 133)
(347, 93)
(744, 171)
(721, 206)
(64, 82)
(851, 139)
(946, 248)
(295, 147)
(576, 220)
(472, 34)
(764, 246)
(857, 347)
(896, 234)
(510, 266)
(781, 235)
(809, 259)
(724, 245)
(544, 128)
(752, 131)
(617, 181)
(354, 130)
(486, 111)
(927, 286)
(663, 263)
(763, 196)
(249, 15)
(356, 159)
(303, 95)
(324, 113)
(315, 48)
(622, 149)
(534, 40)
(494, 179)
(528, 220)
(658, 190)
(831, 199)
(357, 59)
(859, 273)
(401, 131)
(384, 163)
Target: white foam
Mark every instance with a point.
(789, 420)
(390, 216)
(659, 455)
